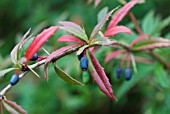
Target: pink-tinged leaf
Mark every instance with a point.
(89, 1)
(101, 74)
(138, 39)
(12, 107)
(113, 55)
(74, 29)
(96, 2)
(117, 29)
(39, 41)
(121, 13)
(58, 52)
(69, 38)
(40, 58)
(101, 24)
(63, 75)
(99, 82)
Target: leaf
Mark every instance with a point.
(58, 52)
(96, 2)
(69, 38)
(117, 29)
(104, 41)
(74, 29)
(161, 76)
(82, 49)
(63, 75)
(152, 43)
(39, 41)
(102, 13)
(101, 23)
(102, 75)
(13, 108)
(3, 72)
(139, 38)
(113, 55)
(121, 13)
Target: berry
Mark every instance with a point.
(14, 79)
(80, 55)
(118, 72)
(84, 63)
(34, 57)
(128, 73)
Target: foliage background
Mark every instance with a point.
(146, 93)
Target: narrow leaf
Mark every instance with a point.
(139, 38)
(69, 38)
(13, 108)
(117, 29)
(121, 13)
(39, 41)
(96, 2)
(102, 13)
(3, 72)
(63, 75)
(104, 41)
(101, 23)
(113, 55)
(82, 49)
(74, 29)
(101, 74)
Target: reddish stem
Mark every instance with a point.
(128, 61)
(123, 59)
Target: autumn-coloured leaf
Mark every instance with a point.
(12, 107)
(63, 75)
(120, 14)
(74, 29)
(101, 24)
(69, 38)
(117, 29)
(113, 55)
(101, 74)
(39, 41)
(139, 38)
(3, 72)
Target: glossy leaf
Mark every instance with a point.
(101, 74)
(3, 72)
(74, 29)
(39, 41)
(139, 38)
(69, 38)
(117, 29)
(113, 55)
(121, 13)
(63, 75)
(12, 107)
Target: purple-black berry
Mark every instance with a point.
(84, 63)
(128, 73)
(80, 55)
(118, 72)
(14, 79)
(34, 57)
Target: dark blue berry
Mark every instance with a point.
(128, 73)
(80, 55)
(118, 72)
(34, 57)
(84, 63)
(14, 79)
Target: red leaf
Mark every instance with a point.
(113, 55)
(138, 39)
(99, 82)
(57, 52)
(121, 13)
(69, 38)
(117, 29)
(39, 41)
(102, 75)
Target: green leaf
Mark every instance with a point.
(3, 72)
(102, 13)
(63, 75)
(161, 76)
(82, 49)
(102, 41)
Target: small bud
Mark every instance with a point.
(118, 72)
(34, 57)
(128, 73)
(84, 63)
(14, 79)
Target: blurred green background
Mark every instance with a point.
(146, 93)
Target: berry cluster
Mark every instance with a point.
(127, 73)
